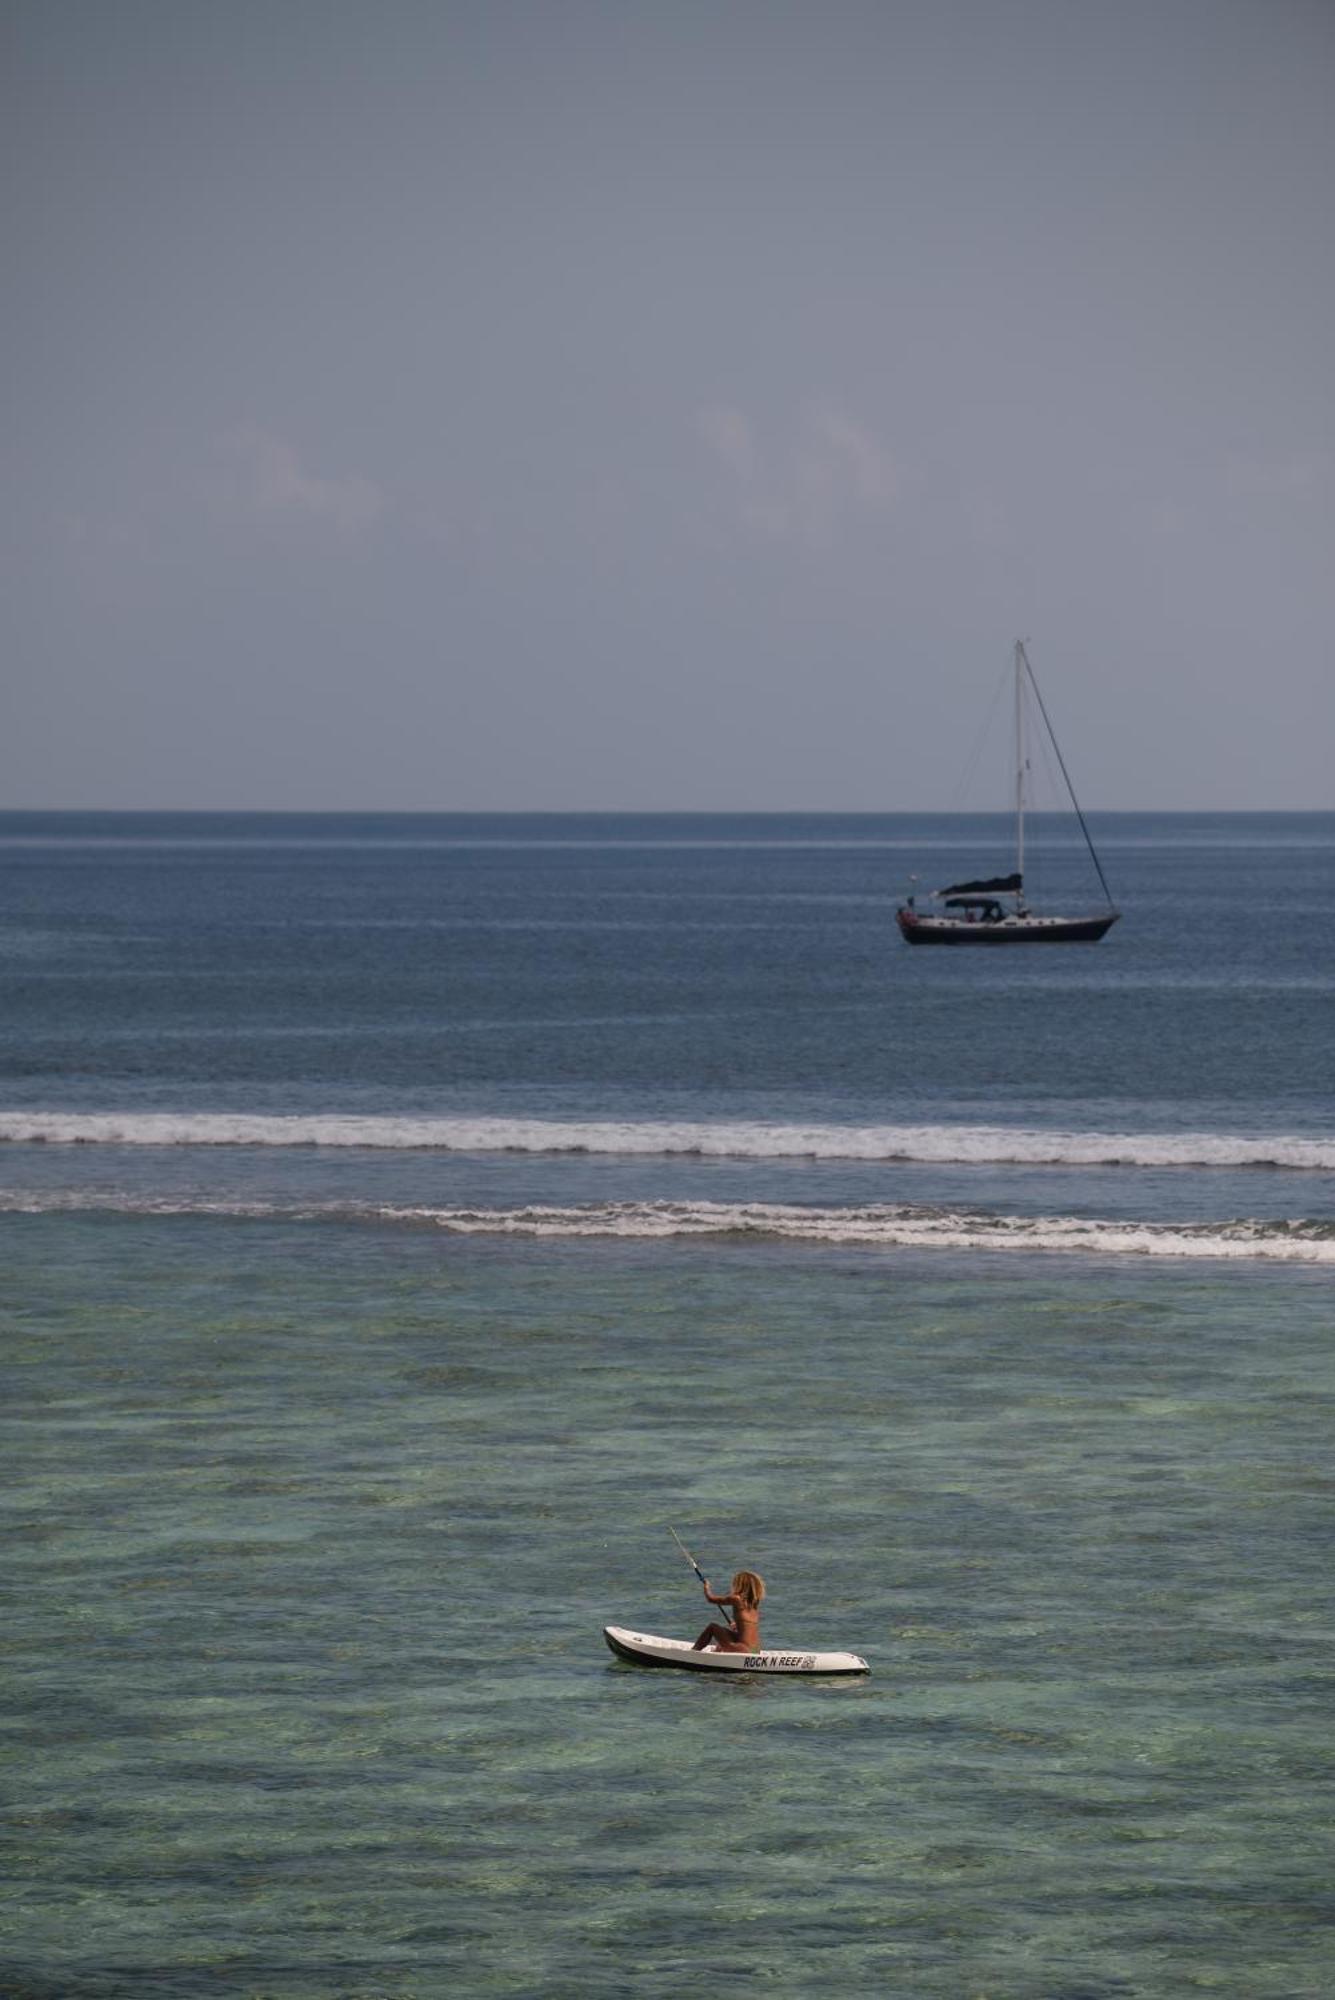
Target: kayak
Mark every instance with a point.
(648, 1650)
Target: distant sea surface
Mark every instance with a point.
(405, 1218)
(648, 1026)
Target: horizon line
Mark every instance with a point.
(646, 812)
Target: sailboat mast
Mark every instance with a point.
(1019, 764)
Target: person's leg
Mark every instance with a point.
(721, 1636)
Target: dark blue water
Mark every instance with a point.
(576, 1011)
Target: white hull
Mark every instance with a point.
(649, 1650)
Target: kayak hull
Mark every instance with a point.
(647, 1649)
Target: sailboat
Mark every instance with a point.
(994, 910)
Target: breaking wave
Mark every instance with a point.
(887, 1226)
(938, 1145)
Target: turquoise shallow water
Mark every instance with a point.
(311, 1530)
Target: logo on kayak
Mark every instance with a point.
(763, 1660)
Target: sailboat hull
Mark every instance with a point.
(918, 929)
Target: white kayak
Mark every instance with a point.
(648, 1650)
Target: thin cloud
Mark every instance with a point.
(268, 484)
(830, 470)
(850, 449)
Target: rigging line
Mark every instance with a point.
(1052, 791)
(1057, 806)
(983, 734)
(1050, 775)
(1042, 709)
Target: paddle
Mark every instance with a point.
(689, 1557)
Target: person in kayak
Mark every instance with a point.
(743, 1600)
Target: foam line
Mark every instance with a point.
(888, 1226)
(939, 1145)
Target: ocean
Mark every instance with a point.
(407, 1219)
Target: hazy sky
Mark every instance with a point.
(561, 403)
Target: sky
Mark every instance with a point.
(589, 404)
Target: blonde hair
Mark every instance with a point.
(749, 1587)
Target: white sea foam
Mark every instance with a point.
(940, 1145)
(884, 1226)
